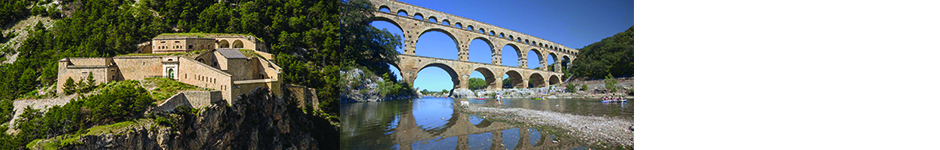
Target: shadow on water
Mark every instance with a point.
(432, 123)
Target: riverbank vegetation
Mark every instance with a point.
(610, 56)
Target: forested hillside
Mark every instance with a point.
(612, 55)
(304, 34)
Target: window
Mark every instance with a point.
(162, 41)
(190, 46)
(176, 42)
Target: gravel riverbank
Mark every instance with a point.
(609, 130)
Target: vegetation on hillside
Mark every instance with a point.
(118, 101)
(612, 55)
(303, 34)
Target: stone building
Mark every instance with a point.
(185, 42)
(233, 71)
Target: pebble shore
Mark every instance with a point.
(610, 131)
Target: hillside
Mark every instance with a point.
(612, 55)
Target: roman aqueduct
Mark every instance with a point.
(415, 21)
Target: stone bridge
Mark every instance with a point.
(414, 21)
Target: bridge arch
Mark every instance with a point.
(554, 80)
(447, 68)
(515, 79)
(536, 80)
(489, 76)
(555, 62)
(389, 20)
(448, 33)
(385, 9)
(538, 55)
(518, 51)
(402, 12)
(419, 16)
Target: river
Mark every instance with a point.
(432, 123)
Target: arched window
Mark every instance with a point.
(446, 23)
(403, 13)
(432, 19)
(470, 28)
(458, 25)
(385, 9)
(419, 16)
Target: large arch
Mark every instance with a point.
(518, 54)
(389, 20)
(453, 74)
(554, 62)
(223, 44)
(538, 55)
(515, 80)
(449, 34)
(565, 62)
(381, 22)
(489, 76)
(471, 45)
(554, 80)
(536, 80)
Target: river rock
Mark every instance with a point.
(462, 93)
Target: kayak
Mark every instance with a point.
(538, 98)
(613, 101)
(481, 98)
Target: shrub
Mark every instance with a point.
(583, 87)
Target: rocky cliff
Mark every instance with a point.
(362, 86)
(257, 121)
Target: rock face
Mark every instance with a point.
(361, 87)
(462, 93)
(257, 121)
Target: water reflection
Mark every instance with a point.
(432, 123)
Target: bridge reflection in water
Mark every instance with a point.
(432, 123)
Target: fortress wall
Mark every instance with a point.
(195, 73)
(304, 95)
(266, 55)
(240, 69)
(223, 62)
(99, 68)
(246, 86)
(78, 73)
(138, 67)
(209, 59)
(201, 43)
(270, 69)
(90, 61)
(191, 99)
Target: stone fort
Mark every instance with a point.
(231, 63)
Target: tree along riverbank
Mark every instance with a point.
(601, 132)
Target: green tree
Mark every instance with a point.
(477, 83)
(611, 83)
(583, 87)
(507, 83)
(571, 88)
(91, 79)
(69, 86)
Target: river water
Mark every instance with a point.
(432, 123)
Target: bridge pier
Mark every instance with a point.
(497, 140)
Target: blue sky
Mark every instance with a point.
(574, 24)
